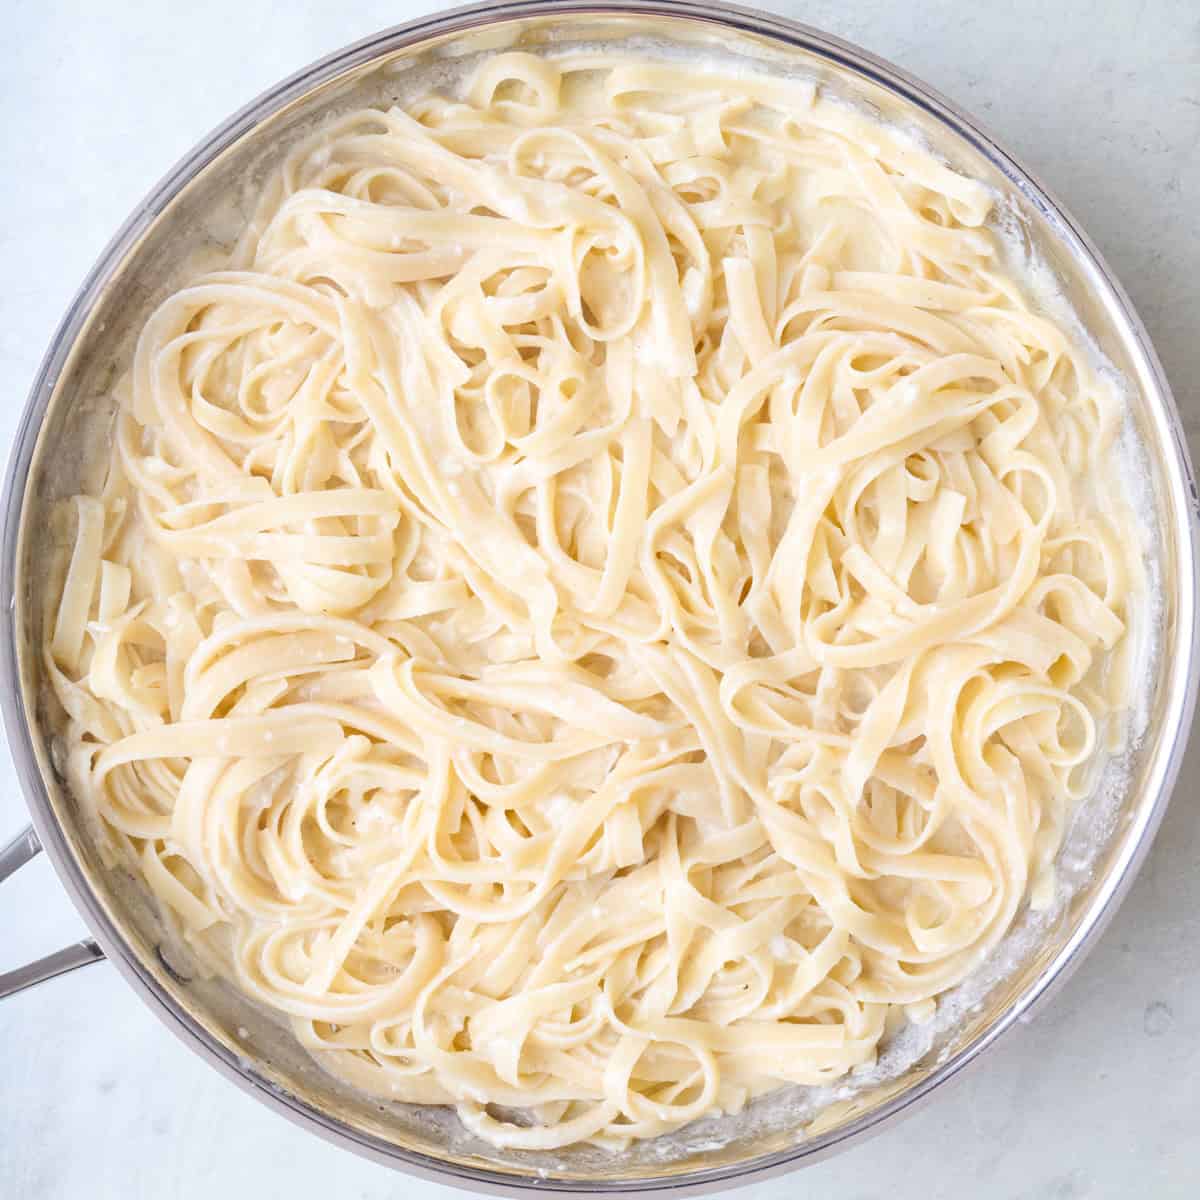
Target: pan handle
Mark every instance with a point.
(14, 856)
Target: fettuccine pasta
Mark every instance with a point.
(605, 603)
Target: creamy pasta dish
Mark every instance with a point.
(605, 602)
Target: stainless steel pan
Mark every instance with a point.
(196, 204)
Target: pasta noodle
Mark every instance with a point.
(605, 603)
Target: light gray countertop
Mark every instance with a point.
(1098, 1098)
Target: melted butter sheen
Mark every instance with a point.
(601, 606)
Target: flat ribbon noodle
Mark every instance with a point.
(608, 596)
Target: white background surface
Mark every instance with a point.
(1100, 1097)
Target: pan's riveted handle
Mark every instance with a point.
(14, 856)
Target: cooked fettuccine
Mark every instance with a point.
(605, 603)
